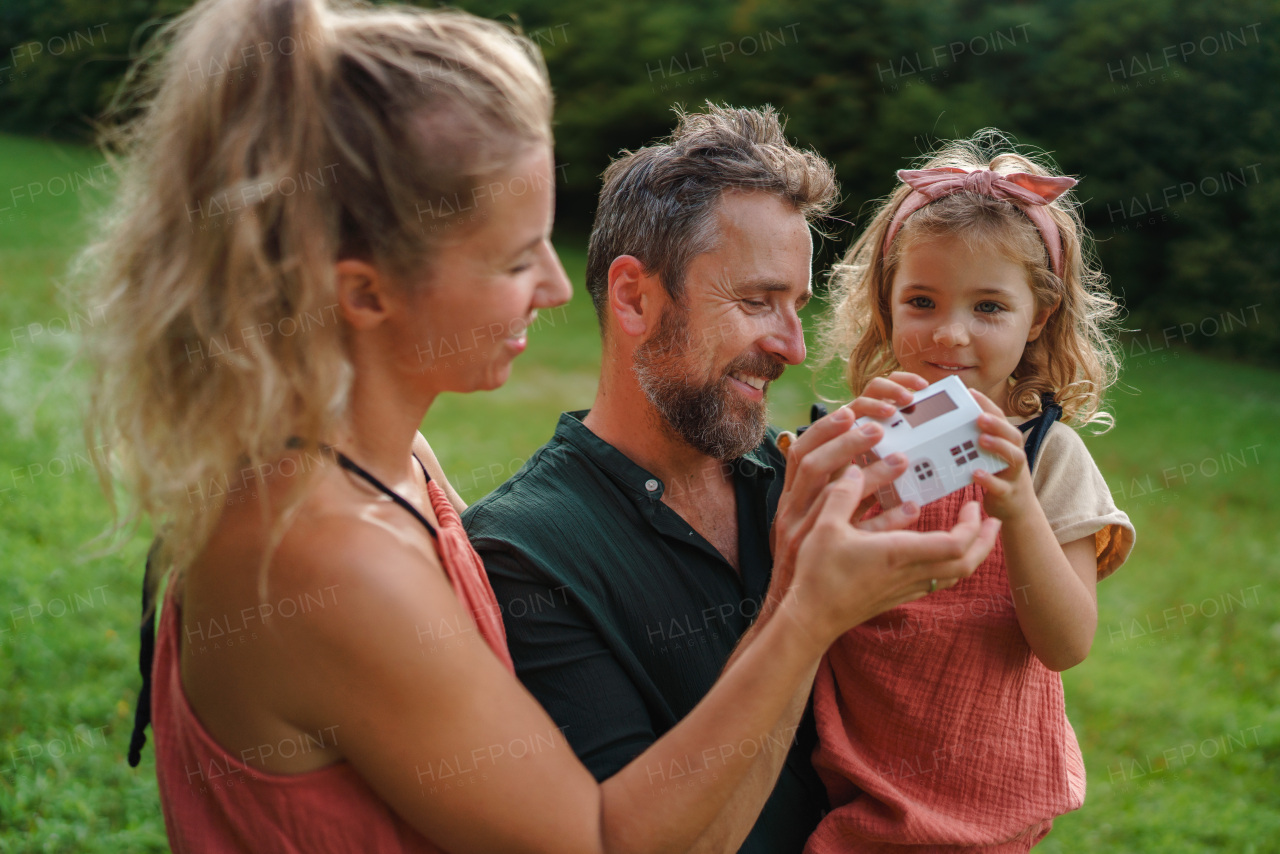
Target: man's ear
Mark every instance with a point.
(1041, 318)
(632, 296)
(361, 293)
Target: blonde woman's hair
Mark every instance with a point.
(1073, 358)
(269, 139)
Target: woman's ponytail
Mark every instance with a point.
(272, 138)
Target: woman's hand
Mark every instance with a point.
(1008, 494)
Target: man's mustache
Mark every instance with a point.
(757, 365)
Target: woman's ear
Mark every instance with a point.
(362, 293)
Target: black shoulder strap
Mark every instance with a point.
(146, 655)
(350, 465)
(1039, 427)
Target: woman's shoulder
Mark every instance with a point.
(346, 587)
(422, 449)
(337, 557)
(341, 536)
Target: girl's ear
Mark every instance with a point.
(1042, 318)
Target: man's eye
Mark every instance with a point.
(755, 303)
(519, 268)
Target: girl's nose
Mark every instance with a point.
(951, 335)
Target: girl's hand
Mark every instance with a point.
(1008, 494)
(883, 395)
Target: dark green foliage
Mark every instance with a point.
(1166, 109)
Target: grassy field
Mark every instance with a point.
(1178, 707)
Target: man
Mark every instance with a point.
(632, 553)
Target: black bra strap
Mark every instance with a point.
(1039, 427)
(350, 465)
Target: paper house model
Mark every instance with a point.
(938, 433)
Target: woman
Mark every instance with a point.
(390, 170)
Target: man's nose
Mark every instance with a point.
(951, 335)
(787, 341)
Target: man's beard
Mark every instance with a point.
(711, 417)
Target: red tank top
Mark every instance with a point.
(213, 802)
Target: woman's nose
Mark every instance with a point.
(555, 287)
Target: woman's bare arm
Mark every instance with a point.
(453, 742)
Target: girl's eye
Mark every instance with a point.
(988, 307)
(920, 302)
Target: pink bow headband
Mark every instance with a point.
(1029, 193)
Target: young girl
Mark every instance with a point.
(941, 722)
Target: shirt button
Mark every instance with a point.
(651, 485)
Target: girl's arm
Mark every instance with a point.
(1054, 587)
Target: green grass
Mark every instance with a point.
(1192, 460)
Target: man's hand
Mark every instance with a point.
(823, 453)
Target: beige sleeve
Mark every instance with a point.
(1076, 499)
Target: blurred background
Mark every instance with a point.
(1169, 114)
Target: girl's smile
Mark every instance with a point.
(962, 309)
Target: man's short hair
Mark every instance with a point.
(659, 203)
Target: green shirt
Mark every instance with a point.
(620, 616)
